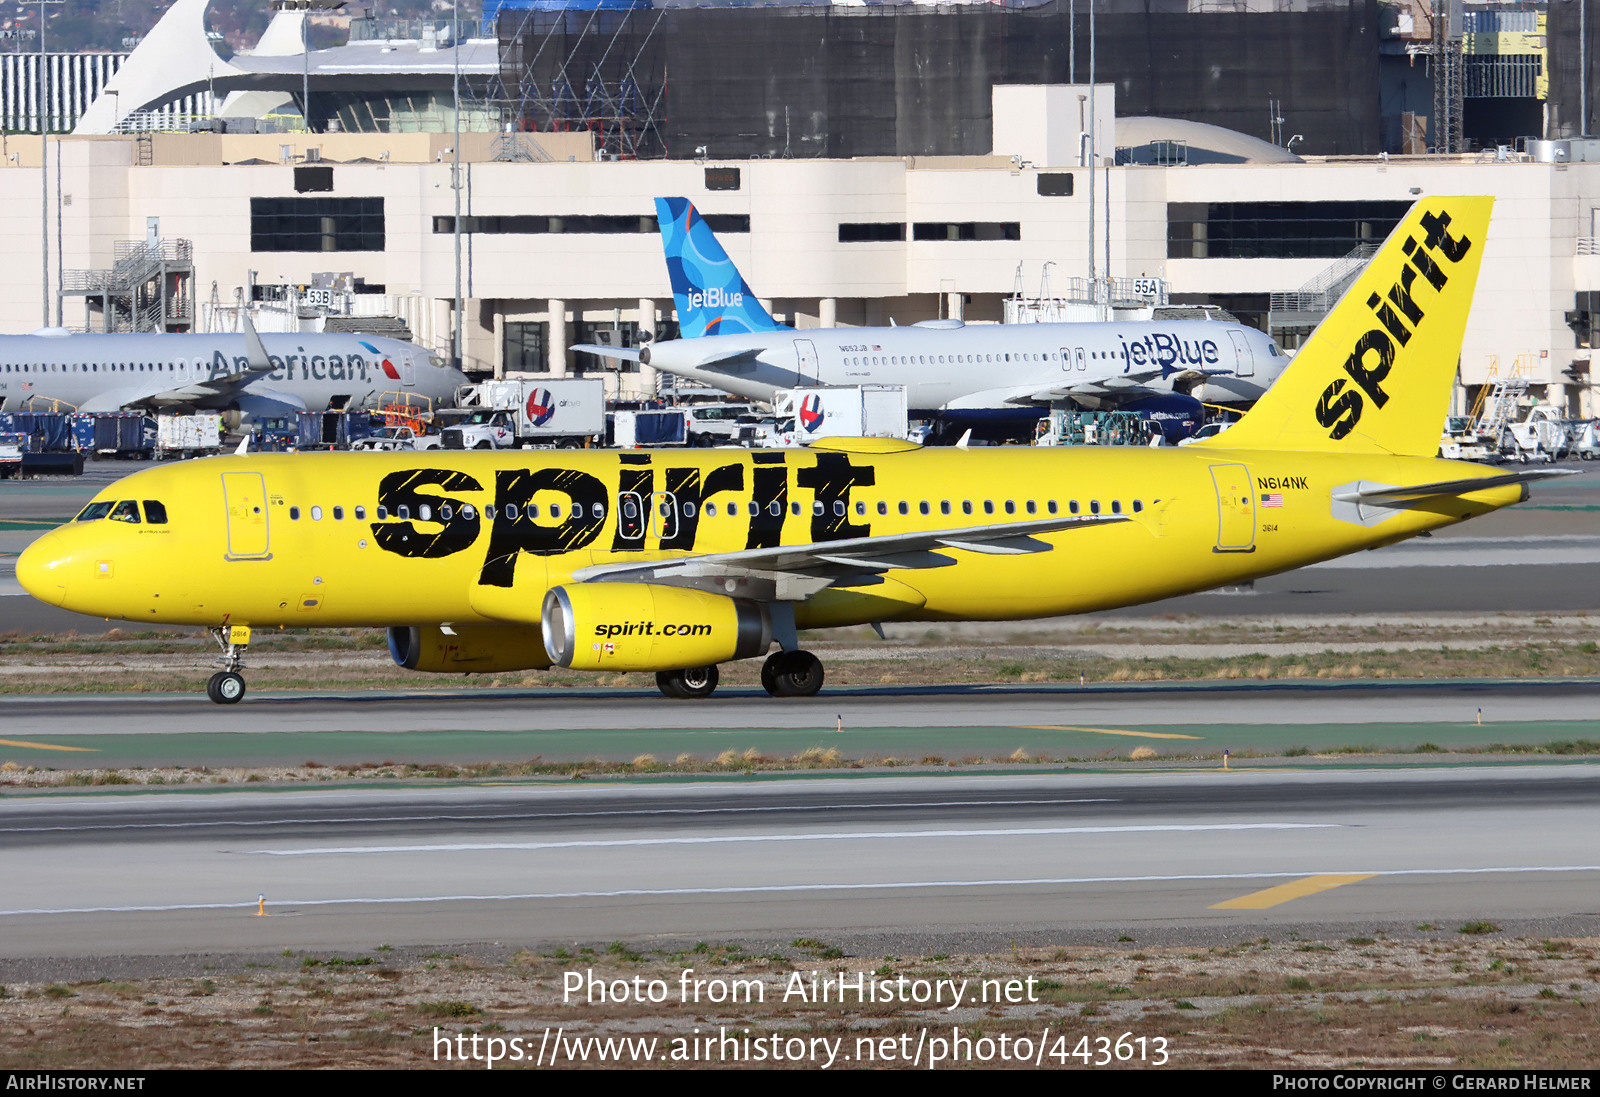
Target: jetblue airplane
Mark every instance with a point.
(951, 371)
(54, 370)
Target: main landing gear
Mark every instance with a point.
(784, 674)
(687, 685)
(792, 674)
(226, 686)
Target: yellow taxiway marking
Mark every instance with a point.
(1112, 731)
(1298, 889)
(41, 746)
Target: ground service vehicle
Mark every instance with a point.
(558, 411)
(672, 562)
(391, 439)
(852, 411)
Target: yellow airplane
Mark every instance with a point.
(674, 562)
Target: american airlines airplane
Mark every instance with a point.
(275, 374)
(952, 371)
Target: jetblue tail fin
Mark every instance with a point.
(1376, 374)
(713, 297)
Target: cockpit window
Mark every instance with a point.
(94, 512)
(155, 512)
(125, 511)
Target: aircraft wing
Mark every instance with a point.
(722, 355)
(1123, 385)
(795, 572)
(223, 390)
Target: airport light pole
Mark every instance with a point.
(455, 180)
(43, 84)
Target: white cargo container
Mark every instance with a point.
(855, 411)
(187, 435)
(558, 411)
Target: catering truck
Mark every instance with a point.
(554, 411)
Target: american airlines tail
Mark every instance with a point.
(1375, 376)
(713, 297)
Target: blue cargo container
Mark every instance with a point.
(47, 432)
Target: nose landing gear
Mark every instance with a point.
(226, 686)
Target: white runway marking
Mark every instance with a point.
(877, 885)
(1008, 832)
(595, 814)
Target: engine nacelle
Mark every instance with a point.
(475, 649)
(643, 626)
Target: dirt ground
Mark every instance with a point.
(1442, 997)
(1068, 649)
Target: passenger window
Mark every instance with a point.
(711, 510)
(383, 512)
(905, 508)
(688, 510)
(816, 507)
(794, 508)
(838, 508)
(555, 510)
(531, 510)
(597, 509)
(316, 513)
(404, 512)
(1011, 508)
(445, 511)
(1073, 506)
(1050, 506)
(774, 508)
(1031, 507)
(1116, 506)
(861, 508)
(294, 514)
(966, 506)
(155, 513)
(988, 507)
(468, 511)
(883, 507)
(127, 511)
(1137, 506)
(923, 506)
(944, 506)
(1094, 506)
(338, 514)
(511, 512)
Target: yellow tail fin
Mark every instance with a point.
(1376, 374)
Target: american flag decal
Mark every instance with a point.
(1275, 499)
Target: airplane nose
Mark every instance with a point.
(41, 570)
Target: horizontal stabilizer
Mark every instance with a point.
(627, 354)
(1398, 495)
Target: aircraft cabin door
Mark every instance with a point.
(806, 352)
(408, 371)
(245, 495)
(1236, 509)
(1247, 358)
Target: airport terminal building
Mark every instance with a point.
(555, 237)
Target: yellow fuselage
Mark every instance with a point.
(269, 540)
